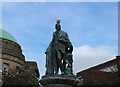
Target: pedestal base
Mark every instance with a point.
(58, 81)
(57, 85)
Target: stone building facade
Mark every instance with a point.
(32, 66)
(11, 55)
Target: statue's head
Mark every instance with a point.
(58, 26)
(58, 20)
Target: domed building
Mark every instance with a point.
(12, 56)
(11, 53)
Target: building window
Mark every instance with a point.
(5, 68)
(17, 68)
(110, 69)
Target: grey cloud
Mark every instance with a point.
(85, 56)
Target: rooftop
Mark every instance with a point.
(6, 35)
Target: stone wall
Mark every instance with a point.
(32, 66)
(11, 53)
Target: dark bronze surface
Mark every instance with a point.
(59, 53)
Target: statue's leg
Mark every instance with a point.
(64, 66)
(57, 68)
(52, 68)
(64, 62)
(59, 57)
(55, 64)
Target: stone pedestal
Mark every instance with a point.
(58, 81)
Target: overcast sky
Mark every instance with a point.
(92, 29)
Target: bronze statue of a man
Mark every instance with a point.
(59, 52)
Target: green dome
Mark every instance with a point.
(6, 35)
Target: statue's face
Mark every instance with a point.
(58, 21)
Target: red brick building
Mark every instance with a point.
(101, 74)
